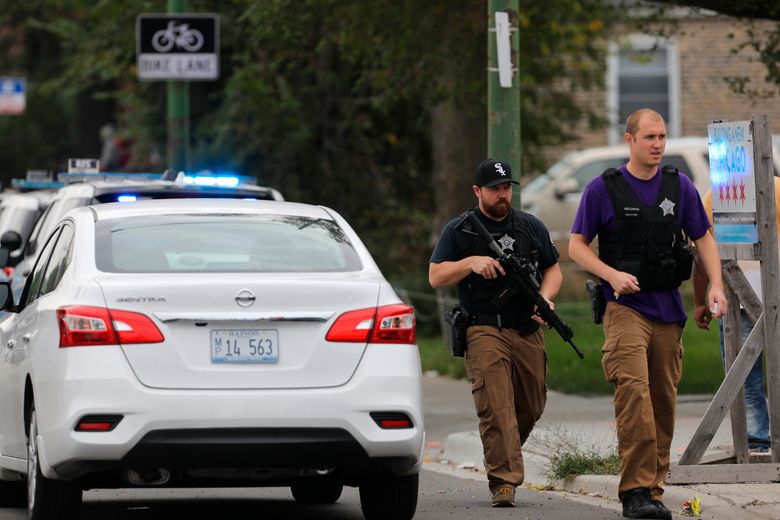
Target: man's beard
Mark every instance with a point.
(498, 210)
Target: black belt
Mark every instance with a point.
(520, 322)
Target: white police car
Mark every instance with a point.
(106, 187)
(197, 342)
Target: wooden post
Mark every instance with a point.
(732, 343)
(725, 396)
(767, 228)
(764, 336)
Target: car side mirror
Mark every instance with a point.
(566, 186)
(32, 245)
(6, 297)
(11, 239)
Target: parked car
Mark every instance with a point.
(121, 190)
(18, 214)
(176, 343)
(555, 196)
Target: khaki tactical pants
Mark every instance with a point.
(508, 382)
(643, 359)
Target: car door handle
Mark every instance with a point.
(11, 343)
(26, 337)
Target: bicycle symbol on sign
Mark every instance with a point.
(180, 35)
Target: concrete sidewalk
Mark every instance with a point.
(588, 423)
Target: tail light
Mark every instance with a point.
(8, 271)
(392, 420)
(386, 324)
(82, 326)
(98, 423)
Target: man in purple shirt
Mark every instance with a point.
(639, 213)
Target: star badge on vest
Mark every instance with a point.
(507, 242)
(667, 206)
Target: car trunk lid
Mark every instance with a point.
(249, 331)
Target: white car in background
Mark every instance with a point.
(18, 214)
(177, 343)
(101, 188)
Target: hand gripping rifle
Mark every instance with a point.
(522, 281)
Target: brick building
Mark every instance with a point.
(683, 77)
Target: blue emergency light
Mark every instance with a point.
(213, 180)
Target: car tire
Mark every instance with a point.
(389, 497)
(47, 499)
(13, 494)
(317, 491)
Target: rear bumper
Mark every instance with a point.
(278, 456)
(291, 429)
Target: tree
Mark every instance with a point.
(761, 9)
(376, 109)
(765, 43)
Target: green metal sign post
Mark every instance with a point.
(178, 111)
(504, 86)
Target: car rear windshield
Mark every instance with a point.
(223, 243)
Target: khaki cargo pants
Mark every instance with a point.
(643, 359)
(508, 375)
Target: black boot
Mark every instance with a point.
(637, 504)
(663, 512)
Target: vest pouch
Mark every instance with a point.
(683, 253)
(664, 275)
(630, 266)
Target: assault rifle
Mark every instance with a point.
(521, 280)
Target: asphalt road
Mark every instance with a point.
(441, 497)
(445, 492)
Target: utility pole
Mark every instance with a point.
(504, 86)
(178, 111)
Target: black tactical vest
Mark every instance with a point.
(476, 290)
(648, 241)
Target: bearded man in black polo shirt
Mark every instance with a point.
(505, 358)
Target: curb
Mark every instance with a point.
(464, 450)
(713, 506)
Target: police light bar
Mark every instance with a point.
(211, 180)
(39, 175)
(225, 180)
(71, 178)
(24, 184)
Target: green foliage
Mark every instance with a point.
(702, 369)
(330, 101)
(570, 455)
(764, 42)
(436, 356)
(766, 45)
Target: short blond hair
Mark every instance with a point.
(632, 123)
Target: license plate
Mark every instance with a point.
(244, 346)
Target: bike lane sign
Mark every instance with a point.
(181, 46)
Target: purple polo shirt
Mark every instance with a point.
(596, 213)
